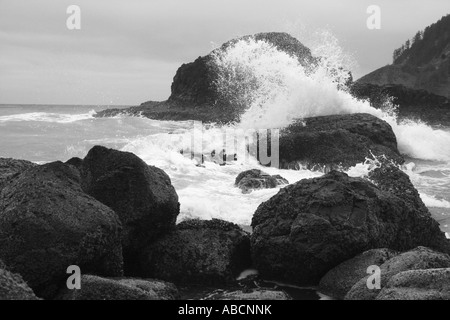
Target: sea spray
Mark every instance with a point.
(277, 89)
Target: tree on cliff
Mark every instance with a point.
(425, 45)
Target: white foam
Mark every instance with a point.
(48, 117)
(433, 202)
(207, 191)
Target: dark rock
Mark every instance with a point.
(388, 177)
(336, 141)
(339, 280)
(48, 223)
(141, 195)
(311, 226)
(412, 103)
(12, 286)
(76, 162)
(163, 290)
(417, 259)
(195, 95)
(199, 251)
(431, 284)
(96, 288)
(252, 294)
(194, 83)
(256, 179)
(9, 168)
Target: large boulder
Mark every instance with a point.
(141, 195)
(195, 94)
(194, 83)
(256, 179)
(421, 258)
(97, 288)
(48, 223)
(431, 284)
(339, 280)
(9, 168)
(199, 251)
(315, 224)
(336, 141)
(12, 286)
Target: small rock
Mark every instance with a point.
(256, 179)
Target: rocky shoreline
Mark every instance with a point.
(114, 217)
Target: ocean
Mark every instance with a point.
(45, 133)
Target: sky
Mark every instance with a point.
(127, 51)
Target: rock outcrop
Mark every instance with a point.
(420, 258)
(421, 64)
(256, 179)
(194, 93)
(141, 195)
(205, 252)
(97, 288)
(412, 103)
(48, 223)
(311, 226)
(418, 80)
(328, 142)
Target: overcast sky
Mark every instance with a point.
(128, 51)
